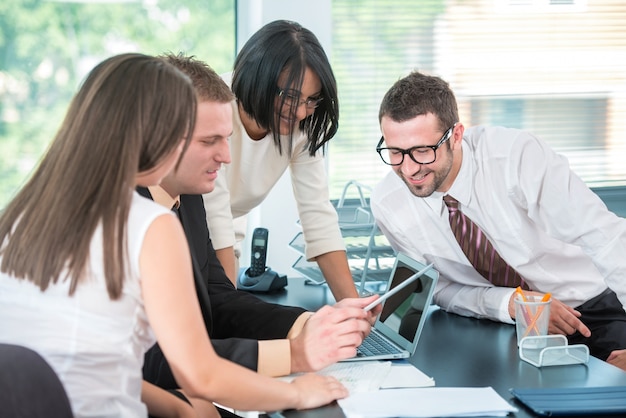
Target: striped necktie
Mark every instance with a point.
(479, 251)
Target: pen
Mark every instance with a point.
(525, 312)
(533, 323)
(398, 287)
(520, 292)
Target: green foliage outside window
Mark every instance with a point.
(47, 48)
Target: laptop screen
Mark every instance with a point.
(403, 314)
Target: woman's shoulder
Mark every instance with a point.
(145, 210)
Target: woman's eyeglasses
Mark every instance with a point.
(291, 98)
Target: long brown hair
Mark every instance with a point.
(131, 112)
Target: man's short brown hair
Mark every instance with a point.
(208, 84)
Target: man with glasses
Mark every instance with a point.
(494, 209)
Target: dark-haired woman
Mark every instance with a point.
(286, 110)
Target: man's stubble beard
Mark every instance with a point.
(439, 177)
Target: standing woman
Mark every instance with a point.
(286, 110)
(84, 278)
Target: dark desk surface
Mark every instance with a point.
(465, 352)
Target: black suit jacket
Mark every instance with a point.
(234, 319)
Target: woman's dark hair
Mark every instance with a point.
(285, 48)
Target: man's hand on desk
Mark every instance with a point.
(331, 334)
(563, 318)
(618, 359)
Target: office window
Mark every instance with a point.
(48, 46)
(560, 75)
(553, 6)
(585, 130)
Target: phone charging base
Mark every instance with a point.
(268, 281)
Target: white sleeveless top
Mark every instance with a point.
(95, 345)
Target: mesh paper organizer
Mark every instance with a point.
(552, 350)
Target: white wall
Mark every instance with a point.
(278, 212)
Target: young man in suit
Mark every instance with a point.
(293, 340)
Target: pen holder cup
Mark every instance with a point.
(532, 316)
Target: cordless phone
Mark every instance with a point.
(259, 252)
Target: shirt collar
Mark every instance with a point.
(163, 198)
(461, 188)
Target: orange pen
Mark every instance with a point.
(533, 323)
(525, 312)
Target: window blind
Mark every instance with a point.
(555, 68)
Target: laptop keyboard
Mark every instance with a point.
(375, 345)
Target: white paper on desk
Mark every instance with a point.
(426, 402)
(405, 375)
(357, 376)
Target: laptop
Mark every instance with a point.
(399, 325)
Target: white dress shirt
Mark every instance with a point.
(540, 217)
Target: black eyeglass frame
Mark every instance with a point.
(446, 136)
(310, 103)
